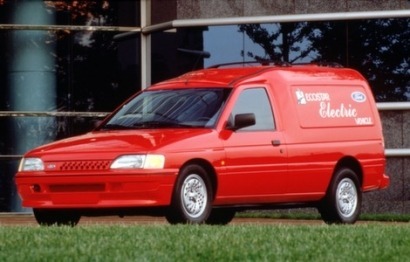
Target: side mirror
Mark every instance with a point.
(242, 120)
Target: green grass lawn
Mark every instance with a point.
(292, 214)
(235, 242)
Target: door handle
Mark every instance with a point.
(276, 142)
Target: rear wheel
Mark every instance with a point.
(343, 200)
(192, 196)
(49, 217)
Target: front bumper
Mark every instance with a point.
(91, 191)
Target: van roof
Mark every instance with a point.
(229, 77)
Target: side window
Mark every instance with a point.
(255, 101)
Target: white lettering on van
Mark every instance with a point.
(326, 111)
(303, 98)
(363, 121)
(317, 97)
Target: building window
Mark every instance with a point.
(62, 70)
(378, 48)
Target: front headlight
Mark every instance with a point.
(31, 164)
(139, 162)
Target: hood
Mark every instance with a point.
(108, 144)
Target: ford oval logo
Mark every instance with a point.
(358, 97)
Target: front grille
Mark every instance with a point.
(85, 165)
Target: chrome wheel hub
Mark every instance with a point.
(346, 197)
(194, 195)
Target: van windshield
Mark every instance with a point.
(196, 108)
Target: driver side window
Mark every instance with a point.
(256, 101)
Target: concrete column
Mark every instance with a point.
(32, 80)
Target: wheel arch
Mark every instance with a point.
(209, 169)
(352, 163)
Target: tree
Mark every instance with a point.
(378, 48)
(287, 42)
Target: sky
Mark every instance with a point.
(225, 44)
(229, 45)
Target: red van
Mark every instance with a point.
(204, 145)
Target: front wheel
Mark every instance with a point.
(343, 199)
(49, 217)
(192, 197)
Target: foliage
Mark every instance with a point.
(378, 48)
(281, 42)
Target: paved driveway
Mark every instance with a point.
(17, 219)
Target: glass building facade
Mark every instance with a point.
(61, 71)
(65, 64)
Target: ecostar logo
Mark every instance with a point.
(300, 97)
(303, 98)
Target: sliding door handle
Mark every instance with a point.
(276, 142)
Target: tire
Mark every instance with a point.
(343, 199)
(46, 217)
(221, 216)
(192, 197)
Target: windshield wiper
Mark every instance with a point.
(159, 124)
(115, 127)
(146, 125)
